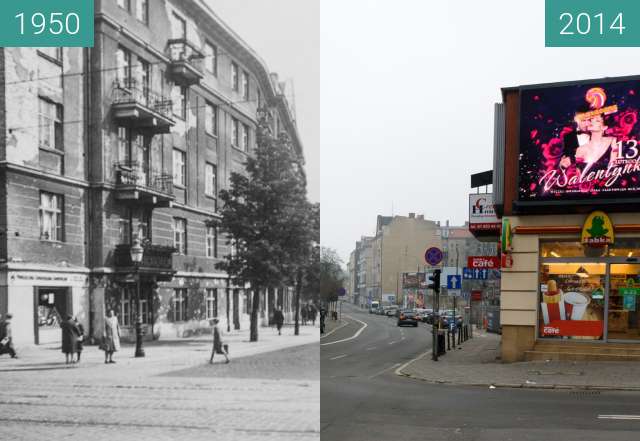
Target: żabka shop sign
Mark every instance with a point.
(597, 230)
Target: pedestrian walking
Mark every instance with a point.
(278, 317)
(80, 342)
(6, 337)
(323, 315)
(313, 313)
(303, 313)
(70, 335)
(218, 346)
(111, 337)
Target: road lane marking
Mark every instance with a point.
(399, 370)
(339, 356)
(370, 349)
(619, 417)
(384, 370)
(364, 325)
(392, 342)
(334, 330)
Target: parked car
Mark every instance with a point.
(421, 313)
(407, 317)
(391, 312)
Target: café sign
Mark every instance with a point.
(483, 262)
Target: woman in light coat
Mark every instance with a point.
(111, 337)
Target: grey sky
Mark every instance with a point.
(408, 89)
(285, 33)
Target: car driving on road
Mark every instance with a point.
(407, 317)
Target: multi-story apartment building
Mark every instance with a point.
(397, 247)
(133, 138)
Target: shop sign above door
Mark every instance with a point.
(597, 230)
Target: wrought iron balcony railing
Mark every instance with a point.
(136, 180)
(135, 102)
(186, 62)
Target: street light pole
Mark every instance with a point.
(137, 252)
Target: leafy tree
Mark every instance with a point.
(331, 275)
(263, 213)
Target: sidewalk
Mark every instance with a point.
(160, 356)
(478, 364)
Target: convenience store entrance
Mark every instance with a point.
(623, 317)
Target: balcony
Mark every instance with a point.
(157, 261)
(185, 67)
(137, 184)
(139, 107)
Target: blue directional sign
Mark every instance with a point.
(454, 281)
(475, 273)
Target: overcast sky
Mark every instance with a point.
(408, 89)
(285, 33)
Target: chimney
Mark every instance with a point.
(412, 215)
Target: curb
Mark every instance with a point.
(523, 385)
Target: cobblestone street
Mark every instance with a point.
(270, 390)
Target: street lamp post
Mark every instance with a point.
(137, 252)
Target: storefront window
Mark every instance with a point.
(623, 319)
(572, 299)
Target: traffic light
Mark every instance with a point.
(435, 278)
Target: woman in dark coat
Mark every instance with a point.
(70, 333)
(79, 344)
(218, 347)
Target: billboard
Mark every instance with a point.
(482, 216)
(580, 141)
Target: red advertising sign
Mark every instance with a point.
(476, 295)
(483, 262)
(571, 328)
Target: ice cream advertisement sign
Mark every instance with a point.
(597, 230)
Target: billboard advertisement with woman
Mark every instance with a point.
(580, 141)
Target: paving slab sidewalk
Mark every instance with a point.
(161, 356)
(477, 363)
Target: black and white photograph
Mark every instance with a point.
(159, 226)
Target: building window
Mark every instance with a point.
(124, 230)
(179, 303)
(245, 85)
(179, 168)
(210, 184)
(144, 311)
(212, 242)
(245, 137)
(51, 217)
(125, 306)
(55, 53)
(50, 124)
(235, 135)
(179, 98)
(125, 4)
(142, 11)
(211, 58)
(145, 78)
(180, 235)
(234, 76)
(212, 302)
(259, 98)
(211, 119)
(123, 67)
(178, 27)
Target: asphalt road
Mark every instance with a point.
(362, 399)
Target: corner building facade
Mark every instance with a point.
(134, 137)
